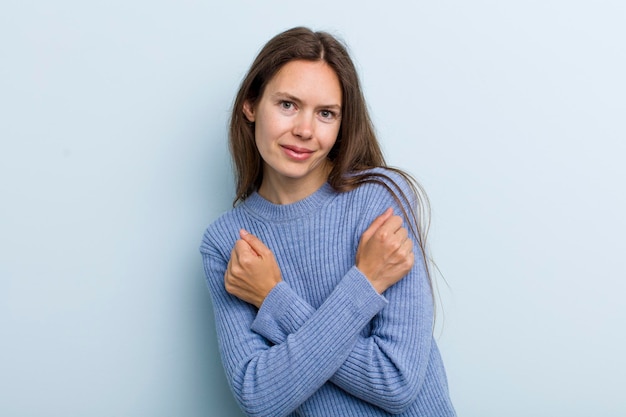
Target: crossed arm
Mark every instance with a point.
(291, 349)
(384, 256)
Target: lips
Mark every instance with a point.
(296, 153)
(296, 149)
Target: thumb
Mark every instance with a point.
(255, 243)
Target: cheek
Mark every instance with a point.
(262, 131)
(257, 137)
(330, 136)
(268, 127)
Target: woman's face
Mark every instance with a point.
(297, 120)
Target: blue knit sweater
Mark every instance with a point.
(324, 342)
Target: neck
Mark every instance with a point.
(283, 190)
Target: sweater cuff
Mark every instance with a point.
(361, 293)
(282, 313)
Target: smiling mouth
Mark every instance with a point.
(295, 153)
(296, 149)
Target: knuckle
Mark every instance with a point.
(395, 245)
(245, 261)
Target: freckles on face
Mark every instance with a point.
(297, 121)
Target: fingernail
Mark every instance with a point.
(243, 232)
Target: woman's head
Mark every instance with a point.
(356, 147)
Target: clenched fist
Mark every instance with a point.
(385, 252)
(252, 270)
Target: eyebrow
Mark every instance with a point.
(287, 96)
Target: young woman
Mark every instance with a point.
(318, 276)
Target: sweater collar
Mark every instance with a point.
(276, 212)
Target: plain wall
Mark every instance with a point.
(113, 160)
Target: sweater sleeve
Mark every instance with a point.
(385, 367)
(274, 380)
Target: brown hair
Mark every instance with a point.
(356, 150)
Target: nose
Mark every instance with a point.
(303, 127)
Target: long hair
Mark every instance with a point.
(356, 150)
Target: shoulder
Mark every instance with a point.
(387, 185)
(382, 188)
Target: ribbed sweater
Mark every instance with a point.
(324, 342)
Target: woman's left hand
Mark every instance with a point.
(252, 271)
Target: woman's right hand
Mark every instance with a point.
(385, 252)
(252, 270)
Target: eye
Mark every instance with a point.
(286, 105)
(328, 114)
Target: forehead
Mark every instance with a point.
(308, 80)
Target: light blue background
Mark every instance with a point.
(113, 160)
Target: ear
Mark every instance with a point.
(248, 111)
